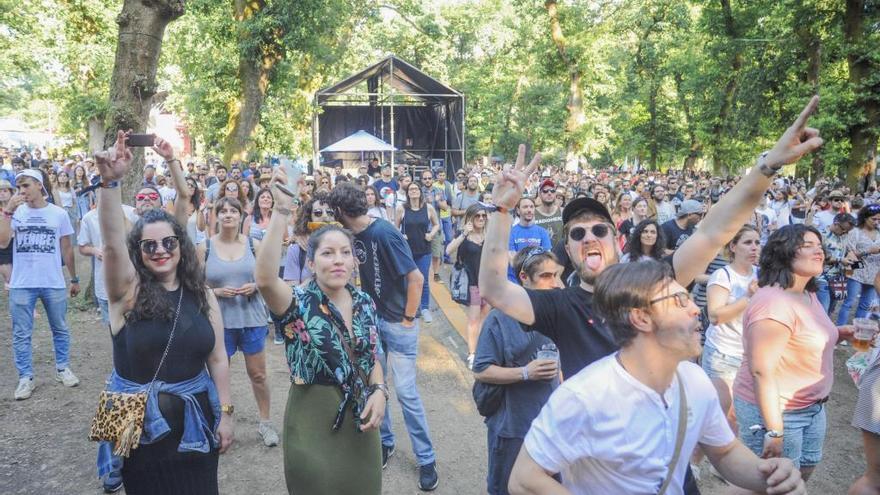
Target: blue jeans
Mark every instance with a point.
(855, 290)
(104, 306)
(803, 431)
(401, 346)
(719, 365)
(502, 455)
(446, 225)
(424, 265)
(823, 294)
(21, 308)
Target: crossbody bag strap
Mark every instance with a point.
(168, 345)
(679, 437)
(351, 356)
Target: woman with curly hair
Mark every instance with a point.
(645, 242)
(864, 241)
(315, 210)
(164, 321)
(337, 392)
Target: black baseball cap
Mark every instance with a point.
(580, 205)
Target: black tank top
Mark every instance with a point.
(415, 225)
(138, 347)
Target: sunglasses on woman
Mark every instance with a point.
(320, 213)
(600, 230)
(144, 196)
(150, 246)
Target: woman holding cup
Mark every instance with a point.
(867, 409)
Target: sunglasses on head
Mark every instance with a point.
(600, 230)
(149, 246)
(144, 196)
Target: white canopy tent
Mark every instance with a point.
(359, 142)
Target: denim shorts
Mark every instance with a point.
(251, 340)
(803, 431)
(719, 365)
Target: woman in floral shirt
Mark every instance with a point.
(337, 394)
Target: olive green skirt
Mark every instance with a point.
(320, 461)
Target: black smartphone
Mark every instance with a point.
(140, 140)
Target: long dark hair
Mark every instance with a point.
(196, 199)
(779, 253)
(634, 244)
(301, 226)
(865, 213)
(258, 217)
(151, 303)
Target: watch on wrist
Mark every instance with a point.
(74, 280)
(409, 318)
(227, 408)
(773, 434)
(111, 184)
(379, 386)
(766, 170)
(494, 208)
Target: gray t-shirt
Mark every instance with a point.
(239, 311)
(463, 201)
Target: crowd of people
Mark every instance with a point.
(622, 325)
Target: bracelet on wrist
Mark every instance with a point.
(112, 184)
(525, 373)
(765, 169)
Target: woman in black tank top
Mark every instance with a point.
(147, 277)
(420, 224)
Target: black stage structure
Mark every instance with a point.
(398, 103)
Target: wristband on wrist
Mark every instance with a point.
(109, 184)
(525, 373)
(766, 170)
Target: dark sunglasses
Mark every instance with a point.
(149, 246)
(151, 196)
(548, 191)
(320, 213)
(600, 230)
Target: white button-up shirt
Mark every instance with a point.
(606, 432)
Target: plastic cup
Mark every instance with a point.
(863, 336)
(548, 354)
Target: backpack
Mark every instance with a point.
(459, 284)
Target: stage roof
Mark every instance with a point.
(396, 73)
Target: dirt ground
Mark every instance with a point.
(44, 447)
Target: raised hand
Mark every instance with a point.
(797, 140)
(163, 148)
(113, 162)
(279, 178)
(511, 181)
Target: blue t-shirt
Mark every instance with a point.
(380, 184)
(384, 259)
(503, 343)
(522, 237)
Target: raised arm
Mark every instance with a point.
(119, 274)
(163, 148)
(724, 220)
(275, 292)
(500, 292)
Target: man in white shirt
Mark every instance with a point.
(41, 234)
(614, 426)
(91, 244)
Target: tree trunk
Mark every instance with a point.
(862, 161)
(253, 75)
(736, 60)
(694, 147)
(575, 104)
(133, 83)
(652, 133)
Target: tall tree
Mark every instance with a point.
(863, 60)
(133, 83)
(575, 105)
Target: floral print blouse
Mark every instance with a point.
(315, 354)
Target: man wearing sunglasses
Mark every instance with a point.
(566, 316)
(548, 214)
(611, 427)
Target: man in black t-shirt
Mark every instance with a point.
(682, 226)
(566, 315)
(390, 276)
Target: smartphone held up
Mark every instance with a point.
(140, 140)
(294, 173)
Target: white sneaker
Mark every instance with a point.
(426, 316)
(66, 377)
(268, 433)
(25, 388)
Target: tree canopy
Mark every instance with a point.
(671, 84)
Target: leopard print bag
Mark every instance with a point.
(120, 416)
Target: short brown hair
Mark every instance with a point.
(622, 287)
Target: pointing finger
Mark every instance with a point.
(808, 110)
(520, 157)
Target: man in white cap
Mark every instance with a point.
(43, 234)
